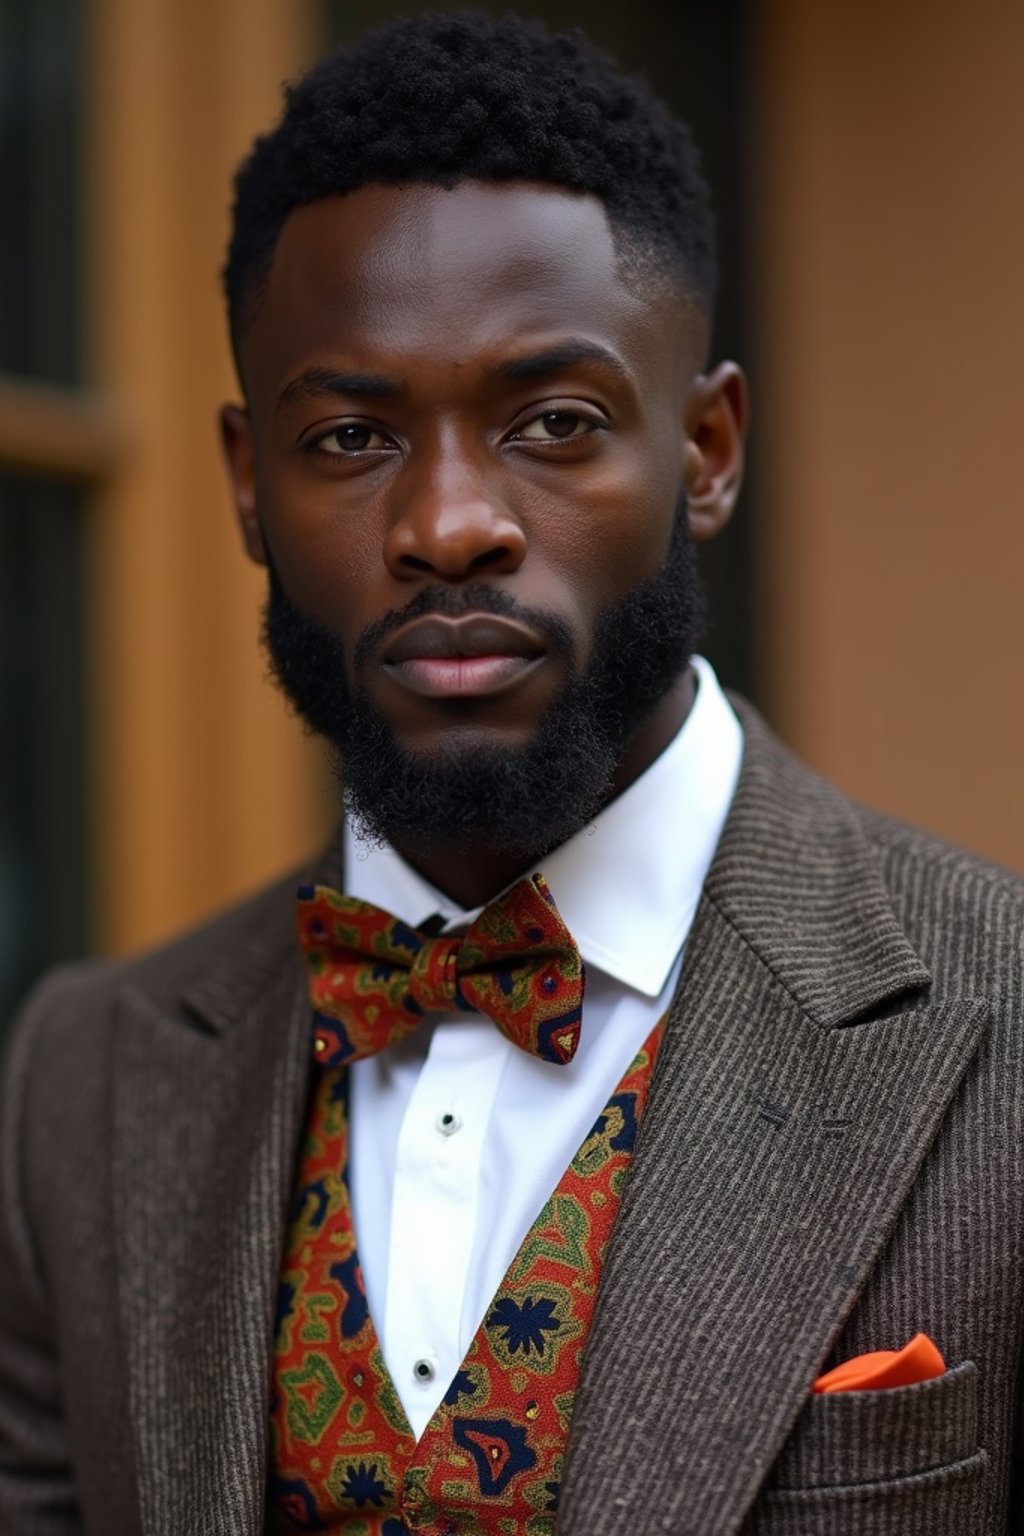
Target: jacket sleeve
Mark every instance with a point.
(37, 1493)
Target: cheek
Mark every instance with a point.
(327, 560)
(620, 534)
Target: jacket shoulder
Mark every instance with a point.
(963, 913)
(907, 853)
(826, 885)
(82, 993)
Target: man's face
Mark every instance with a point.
(466, 453)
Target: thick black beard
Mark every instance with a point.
(515, 802)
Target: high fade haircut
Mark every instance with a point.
(447, 98)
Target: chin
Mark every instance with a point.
(464, 742)
(475, 786)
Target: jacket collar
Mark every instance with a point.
(259, 946)
(797, 880)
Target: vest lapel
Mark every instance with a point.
(800, 1084)
(209, 1101)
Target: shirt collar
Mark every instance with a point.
(627, 885)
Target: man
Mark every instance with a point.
(603, 1256)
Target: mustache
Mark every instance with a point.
(454, 603)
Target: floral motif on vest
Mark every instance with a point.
(343, 1455)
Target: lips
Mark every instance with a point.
(462, 658)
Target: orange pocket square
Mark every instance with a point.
(917, 1361)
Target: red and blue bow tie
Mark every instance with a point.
(372, 978)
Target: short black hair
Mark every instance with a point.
(445, 98)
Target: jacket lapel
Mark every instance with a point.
(802, 1079)
(210, 1095)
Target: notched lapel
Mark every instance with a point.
(207, 1120)
(803, 1077)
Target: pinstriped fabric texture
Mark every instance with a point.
(190, 1307)
(40, 1495)
(940, 1503)
(832, 1158)
(155, 1126)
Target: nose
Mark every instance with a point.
(449, 521)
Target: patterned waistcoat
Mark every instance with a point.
(343, 1455)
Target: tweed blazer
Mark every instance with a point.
(831, 1160)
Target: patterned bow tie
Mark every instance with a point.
(372, 978)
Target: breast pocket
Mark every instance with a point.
(900, 1462)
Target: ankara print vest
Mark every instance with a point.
(343, 1455)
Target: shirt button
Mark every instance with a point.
(448, 1123)
(424, 1370)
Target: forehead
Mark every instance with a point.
(449, 275)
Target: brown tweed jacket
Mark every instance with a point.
(831, 1160)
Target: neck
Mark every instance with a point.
(472, 876)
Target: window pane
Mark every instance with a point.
(42, 791)
(39, 133)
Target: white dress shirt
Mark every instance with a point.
(459, 1137)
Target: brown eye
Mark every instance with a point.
(556, 426)
(353, 438)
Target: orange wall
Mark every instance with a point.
(203, 787)
(890, 403)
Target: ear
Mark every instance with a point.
(716, 426)
(236, 442)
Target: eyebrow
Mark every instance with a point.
(316, 383)
(563, 355)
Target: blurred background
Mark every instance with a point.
(866, 160)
